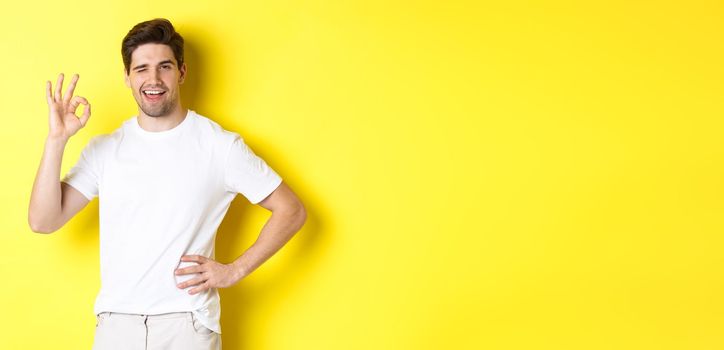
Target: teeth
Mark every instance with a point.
(151, 92)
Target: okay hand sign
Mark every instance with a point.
(62, 119)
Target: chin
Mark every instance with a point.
(158, 112)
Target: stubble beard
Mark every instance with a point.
(157, 111)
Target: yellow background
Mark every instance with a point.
(478, 175)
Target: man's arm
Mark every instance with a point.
(288, 216)
(53, 203)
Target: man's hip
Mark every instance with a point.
(176, 330)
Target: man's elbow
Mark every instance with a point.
(298, 214)
(302, 215)
(40, 227)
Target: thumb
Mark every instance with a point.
(86, 114)
(75, 102)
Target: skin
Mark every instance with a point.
(53, 203)
(153, 66)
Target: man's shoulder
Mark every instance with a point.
(211, 128)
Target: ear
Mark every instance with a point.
(182, 75)
(125, 78)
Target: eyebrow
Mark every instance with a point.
(146, 64)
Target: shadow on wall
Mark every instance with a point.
(191, 88)
(238, 302)
(241, 301)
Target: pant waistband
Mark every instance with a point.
(142, 317)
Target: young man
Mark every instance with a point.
(165, 179)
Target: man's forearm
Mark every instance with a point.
(45, 199)
(278, 230)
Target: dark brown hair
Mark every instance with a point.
(158, 31)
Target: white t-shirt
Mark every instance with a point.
(163, 195)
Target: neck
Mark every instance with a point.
(164, 122)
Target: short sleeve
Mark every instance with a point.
(246, 173)
(84, 175)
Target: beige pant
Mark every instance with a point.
(176, 330)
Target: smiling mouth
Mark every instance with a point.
(153, 95)
(153, 92)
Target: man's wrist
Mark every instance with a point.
(240, 269)
(56, 140)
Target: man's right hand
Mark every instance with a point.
(63, 121)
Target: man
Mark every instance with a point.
(165, 180)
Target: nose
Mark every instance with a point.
(156, 77)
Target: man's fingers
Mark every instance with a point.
(195, 258)
(48, 94)
(77, 101)
(86, 115)
(58, 97)
(71, 88)
(200, 288)
(189, 270)
(191, 282)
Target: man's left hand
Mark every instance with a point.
(212, 274)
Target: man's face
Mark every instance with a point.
(154, 78)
